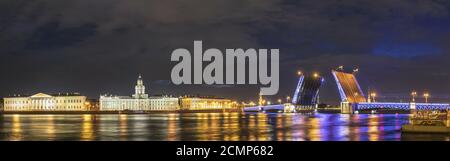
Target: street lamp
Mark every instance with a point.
(414, 94)
(373, 95)
(316, 75)
(279, 101)
(426, 95)
(299, 73)
(288, 98)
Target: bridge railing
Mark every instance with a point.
(382, 105)
(401, 106)
(432, 106)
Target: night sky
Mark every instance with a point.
(100, 46)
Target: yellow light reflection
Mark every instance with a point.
(279, 127)
(226, 127)
(16, 134)
(373, 128)
(261, 126)
(123, 126)
(202, 126)
(87, 132)
(314, 133)
(172, 127)
(288, 122)
(251, 125)
(51, 127)
(234, 126)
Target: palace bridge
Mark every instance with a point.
(352, 98)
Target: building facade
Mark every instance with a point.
(45, 102)
(202, 103)
(140, 101)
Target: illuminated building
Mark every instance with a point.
(45, 102)
(92, 105)
(205, 103)
(140, 101)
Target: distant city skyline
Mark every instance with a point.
(98, 47)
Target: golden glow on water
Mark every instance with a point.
(279, 126)
(252, 124)
(16, 131)
(373, 128)
(214, 123)
(87, 130)
(288, 123)
(262, 126)
(234, 127)
(172, 127)
(226, 127)
(123, 126)
(51, 126)
(202, 126)
(314, 133)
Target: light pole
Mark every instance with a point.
(414, 94)
(426, 95)
(279, 101)
(373, 95)
(288, 98)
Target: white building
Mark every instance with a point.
(140, 101)
(45, 102)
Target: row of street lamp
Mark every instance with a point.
(425, 94)
(414, 94)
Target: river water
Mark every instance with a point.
(208, 127)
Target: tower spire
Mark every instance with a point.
(140, 88)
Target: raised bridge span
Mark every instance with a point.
(352, 97)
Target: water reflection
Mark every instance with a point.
(87, 132)
(16, 128)
(354, 134)
(209, 126)
(373, 128)
(50, 127)
(172, 127)
(123, 126)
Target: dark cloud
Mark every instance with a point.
(100, 46)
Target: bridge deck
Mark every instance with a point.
(401, 106)
(264, 108)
